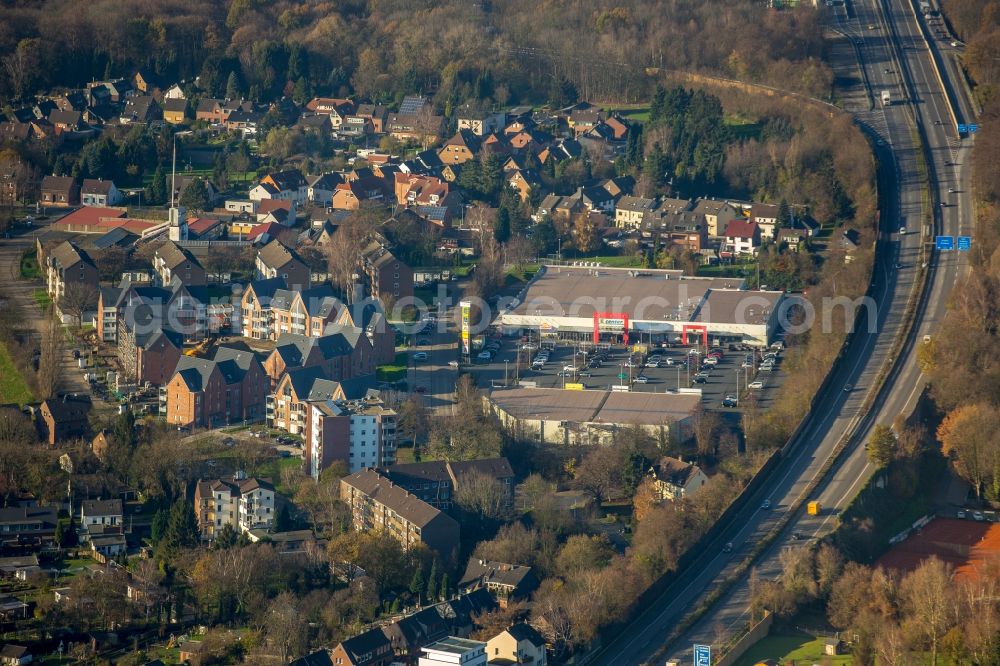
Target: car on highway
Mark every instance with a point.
(955, 44)
(756, 385)
(766, 504)
(880, 142)
(848, 388)
(951, 190)
(420, 356)
(728, 548)
(902, 231)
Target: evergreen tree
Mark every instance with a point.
(501, 230)
(226, 537)
(396, 606)
(432, 582)
(784, 215)
(182, 527)
(445, 588)
(417, 585)
(60, 536)
(161, 521)
(283, 521)
(157, 192)
(302, 92)
(123, 430)
(195, 195)
(545, 236)
(233, 90)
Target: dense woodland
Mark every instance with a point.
(506, 51)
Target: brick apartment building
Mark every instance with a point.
(360, 432)
(343, 355)
(230, 388)
(389, 279)
(378, 504)
(68, 264)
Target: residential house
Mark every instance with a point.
(850, 243)
(257, 321)
(371, 648)
(359, 430)
(175, 110)
(524, 181)
(68, 264)
(375, 115)
(718, 215)
(415, 191)
(15, 655)
(174, 92)
(352, 194)
(423, 127)
(216, 111)
(742, 238)
(633, 212)
(389, 278)
(766, 217)
(288, 185)
(336, 109)
(242, 503)
(172, 262)
(146, 82)
(321, 188)
(585, 118)
(454, 617)
(506, 582)
(230, 388)
(274, 260)
(596, 199)
(64, 418)
(438, 481)
(793, 238)
(675, 479)
(685, 228)
(309, 312)
(480, 122)
(105, 513)
(378, 504)
(281, 211)
(66, 121)
(244, 121)
(149, 355)
(343, 354)
(315, 122)
(100, 192)
(451, 651)
(61, 191)
(518, 644)
(461, 148)
(561, 150)
(141, 109)
(24, 526)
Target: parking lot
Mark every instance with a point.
(678, 368)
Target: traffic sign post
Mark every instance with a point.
(964, 243)
(944, 243)
(702, 655)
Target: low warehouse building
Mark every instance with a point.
(559, 416)
(601, 304)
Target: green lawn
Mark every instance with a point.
(619, 261)
(394, 371)
(272, 469)
(42, 298)
(797, 648)
(29, 266)
(13, 388)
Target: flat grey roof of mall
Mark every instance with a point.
(739, 307)
(647, 295)
(591, 406)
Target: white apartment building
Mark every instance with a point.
(362, 433)
(245, 504)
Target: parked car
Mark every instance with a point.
(756, 385)
(641, 379)
(729, 401)
(484, 356)
(420, 356)
(699, 380)
(453, 364)
(978, 515)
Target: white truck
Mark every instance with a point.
(886, 98)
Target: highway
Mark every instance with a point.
(885, 37)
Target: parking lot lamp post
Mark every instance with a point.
(737, 387)
(679, 378)
(506, 362)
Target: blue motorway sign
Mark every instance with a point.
(702, 655)
(964, 243)
(944, 242)
(973, 128)
(962, 128)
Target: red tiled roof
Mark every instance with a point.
(199, 225)
(270, 228)
(88, 216)
(741, 229)
(265, 206)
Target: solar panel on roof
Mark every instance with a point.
(113, 237)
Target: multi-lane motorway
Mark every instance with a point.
(886, 40)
